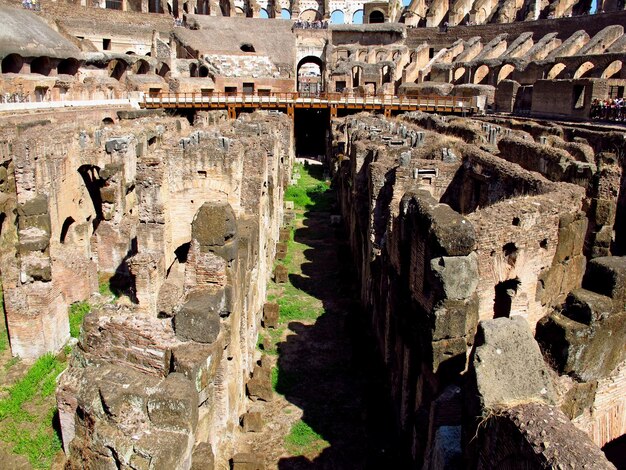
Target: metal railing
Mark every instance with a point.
(218, 99)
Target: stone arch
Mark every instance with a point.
(68, 67)
(337, 17)
(555, 71)
(364, 56)
(164, 70)
(285, 14)
(613, 69)
(381, 56)
(225, 7)
(91, 178)
(481, 74)
(357, 17)
(310, 15)
(141, 67)
(458, 74)
(203, 71)
(41, 65)
(264, 14)
(12, 63)
(376, 16)
(505, 71)
(67, 223)
(117, 69)
(239, 11)
(385, 74)
(314, 61)
(193, 70)
(583, 70)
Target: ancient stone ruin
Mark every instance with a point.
(474, 158)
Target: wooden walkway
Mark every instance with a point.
(386, 104)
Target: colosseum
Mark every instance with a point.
(306, 234)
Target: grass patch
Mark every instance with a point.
(296, 304)
(29, 434)
(4, 335)
(302, 439)
(104, 288)
(11, 362)
(77, 313)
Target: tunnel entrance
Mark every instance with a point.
(311, 132)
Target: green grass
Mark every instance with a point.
(303, 439)
(77, 313)
(275, 335)
(104, 288)
(39, 443)
(4, 336)
(296, 304)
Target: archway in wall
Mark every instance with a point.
(164, 70)
(155, 6)
(480, 76)
(66, 228)
(91, 178)
(310, 15)
(203, 71)
(376, 16)
(141, 67)
(457, 76)
(239, 12)
(505, 71)
(117, 69)
(613, 69)
(381, 56)
(285, 14)
(584, 70)
(363, 56)
(263, 14)
(41, 65)
(310, 75)
(193, 70)
(68, 67)
(505, 291)
(337, 17)
(225, 7)
(357, 76)
(555, 71)
(12, 63)
(357, 17)
(385, 74)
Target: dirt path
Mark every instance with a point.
(328, 411)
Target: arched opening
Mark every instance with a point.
(457, 76)
(337, 17)
(310, 75)
(505, 292)
(12, 63)
(107, 121)
(141, 67)
(193, 70)
(555, 71)
(406, 3)
(357, 17)
(68, 67)
(357, 76)
(247, 47)
(613, 69)
(363, 55)
(91, 178)
(505, 71)
(377, 16)
(118, 69)
(239, 11)
(41, 65)
(386, 74)
(155, 6)
(264, 14)
(381, 56)
(225, 7)
(285, 14)
(65, 229)
(481, 74)
(615, 451)
(583, 70)
(164, 70)
(310, 15)
(203, 71)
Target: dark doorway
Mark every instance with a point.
(505, 292)
(311, 128)
(377, 17)
(65, 229)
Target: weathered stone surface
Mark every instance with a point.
(37, 205)
(247, 461)
(203, 457)
(607, 276)
(199, 317)
(457, 275)
(270, 315)
(587, 307)
(214, 224)
(260, 385)
(281, 274)
(252, 421)
(507, 366)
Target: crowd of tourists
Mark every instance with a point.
(317, 24)
(31, 5)
(609, 109)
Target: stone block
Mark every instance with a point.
(579, 398)
(252, 421)
(199, 317)
(289, 205)
(281, 251)
(117, 144)
(281, 274)
(604, 212)
(455, 318)
(584, 306)
(108, 194)
(214, 225)
(284, 235)
(35, 206)
(607, 276)
(246, 461)
(455, 276)
(174, 404)
(203, 457)
(270, 315)
(260, 385)
(507, 366)
(198, 362)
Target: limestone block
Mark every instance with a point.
(116, 144)
(260, 385)
(507, 366)
(214, 225)
(199, 363)
(607, 276)
(203, 457)
(252, 421)
(579, 398)
(456, 276)
(455, 318)
(174, 405)
(38, 205)
(245, 461)
(284, 235)
(199, 317)
(281, 274)
(587, 307)
(270, 315)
